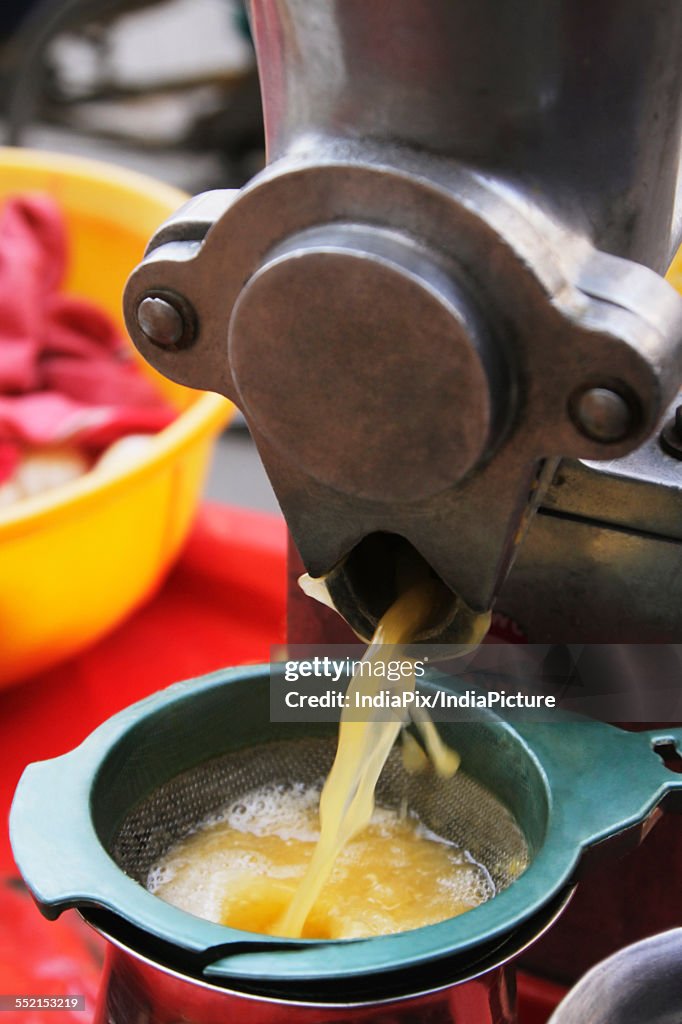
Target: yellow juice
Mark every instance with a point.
(244, 869)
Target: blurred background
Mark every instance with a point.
(165, 87)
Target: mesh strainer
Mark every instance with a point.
(458, 809)
(86, 827)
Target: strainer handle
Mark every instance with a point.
(666, 743)
(64, 864)
(53, 839)
(604, 781)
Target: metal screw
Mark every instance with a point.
(167, 320)
(671, 435)
(603, 414)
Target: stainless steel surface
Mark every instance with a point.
(576, 105)
(137, 989)
(641, 493)
(141, 987)
(602, 561)
(585, 582)
(642, 984)
(436, 269)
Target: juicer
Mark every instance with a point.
(441, 310)
(439, 306)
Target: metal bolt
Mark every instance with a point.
(166, 320)
(671, 435)
(603, 415)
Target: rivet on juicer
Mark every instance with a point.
(439, 306)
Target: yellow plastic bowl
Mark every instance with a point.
(76, 560)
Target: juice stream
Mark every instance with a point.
(347, 800)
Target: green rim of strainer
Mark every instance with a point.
(576, 785)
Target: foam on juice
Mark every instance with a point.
(242, 868)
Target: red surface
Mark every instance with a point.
(224, 603)
(61, 958)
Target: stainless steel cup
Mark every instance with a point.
(641, 984)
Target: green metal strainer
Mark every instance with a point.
(86, 827)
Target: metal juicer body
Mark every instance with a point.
(444, 283)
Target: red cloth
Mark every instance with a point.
(66, 373)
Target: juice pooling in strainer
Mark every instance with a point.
(243, 866)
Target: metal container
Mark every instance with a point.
(140, 988)
(641, 984)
